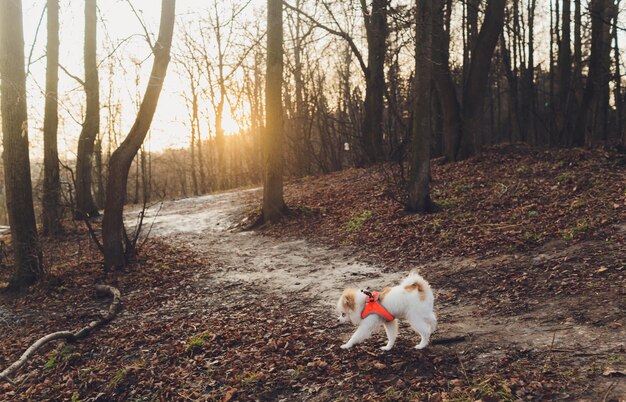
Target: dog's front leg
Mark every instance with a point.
(363, 332)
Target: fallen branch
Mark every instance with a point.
(445, 341)
(110, 314)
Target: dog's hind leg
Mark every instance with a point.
(363, 332)
(423, 329)
(431, 320)
(391, 328)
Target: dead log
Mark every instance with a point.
(446, 341)
(110, 314)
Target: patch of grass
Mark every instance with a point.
(533, 236)
(65, 355)
(51, 363)
(196, 343)
(118, 377)
(523, 170)
(297, 372)
(75, 397)
(164, 267)
(392, 395)
(532, 213)
(463, 188)
(308, 211)
(358, 220)
(574, 232)
(446, 203)
(251, 378)
(565, 177)
(485, 390)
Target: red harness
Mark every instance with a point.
(373, 306)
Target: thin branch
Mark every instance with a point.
(145, 30)
(80, 81)
(335, 32)
(32, 48)
(93, 236)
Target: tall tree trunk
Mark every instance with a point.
(201, 167)
(99, 173)
(478, 75)
(17, 181)
(85, 204)
(273, 203)
(590, 120)
(564, 68)
(122, 157)
(528, 115)
(372, 129)
(419, 181)
(578, 47)
(51, 203)
(552, 140)
(451, 109)
(194, 126)
(220, 143)
(617, 93)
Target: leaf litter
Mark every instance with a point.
(526, 257)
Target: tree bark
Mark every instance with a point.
(85, 205)
(451, 109)
(273, 203)
(51, 202)
(564, 68)
(529, 80)
(617, 93)
(376, 31)
(17, 180)
(476, 85)
(122, 157)
(419, 181)
(590, 123)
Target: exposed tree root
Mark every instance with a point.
(110, 314)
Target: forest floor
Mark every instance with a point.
(526, 257)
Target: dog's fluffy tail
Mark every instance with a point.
(415, 282)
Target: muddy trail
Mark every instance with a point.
(539, 349)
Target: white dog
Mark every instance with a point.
(411, 300)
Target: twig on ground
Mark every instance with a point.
(113, 310)
(446, 341)
(463, 370)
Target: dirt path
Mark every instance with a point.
(312, 277)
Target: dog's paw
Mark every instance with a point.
(346, 346)
(420, 347)
(386, 348)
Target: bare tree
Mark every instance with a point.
(375, 23)
(462, 122)
(113, 233)
(19, 196)
(273, 203)
(564, 68)
(85, 204)
(419, 181)
(51, 214)
(591, 121)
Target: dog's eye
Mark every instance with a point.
(343, 314)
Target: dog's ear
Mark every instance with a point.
(348, 301)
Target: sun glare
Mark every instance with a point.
(229, 124)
